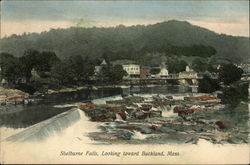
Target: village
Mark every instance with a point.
(135, 75)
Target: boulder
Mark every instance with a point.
(101, 118)
(222, 124)
(87, 106)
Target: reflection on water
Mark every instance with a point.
(28, 115)
(23, 116)
(52, 113)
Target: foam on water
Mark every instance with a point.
(67, 105)
(103, 100)
(138, 135)
(72, 123)
(168, 111)
(6, 132)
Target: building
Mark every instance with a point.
(133, 70)
(99, 67)
(188, 74)
(163, 72)
(34, 73)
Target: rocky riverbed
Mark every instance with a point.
(165, 119)
(13, 96)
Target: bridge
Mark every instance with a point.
(171, 79)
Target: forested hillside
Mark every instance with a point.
(132, 43)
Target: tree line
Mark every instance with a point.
(54, 72)
(233, 90)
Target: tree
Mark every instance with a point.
(234, 94)
(113, 74)
(28, 61)
(45, 60)
(230, 73)
(11, 68)
(62, 73)
(208, 85)
(74, 70)
(199, 65)
(176, 66)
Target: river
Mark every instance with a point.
(55, 124)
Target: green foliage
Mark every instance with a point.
(73, 71)
(176, 66)
(172, 37)
(112, 74)
(193, 50)
(62, 73)
(230, 73)
(11, 69)
(14, 69)
(202, 65)
(155, 71)
(208, 85)
(234, 94)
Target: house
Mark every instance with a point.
(163, 72)
(132, 70)
(188, 74)
(34, 73)
(3, 82)
(99, 67)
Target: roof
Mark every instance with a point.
(104, 62)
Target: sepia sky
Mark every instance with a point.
(17, 17)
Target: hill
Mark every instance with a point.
(170, 38)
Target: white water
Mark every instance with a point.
(168, 111)
(72, 124)
(73, 137)
(103, 100)
(68, 105)
(139, 135)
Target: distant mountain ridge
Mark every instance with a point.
(97, 41)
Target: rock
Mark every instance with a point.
(87, 106)
(205, 98)
(130, 127)
(145, 107)
(181, 110)
(123, 115)
(114, 108)
(155, 114)
(142, 115)
(101, 118)
(166, 130)
(156, 127)
(222, 124)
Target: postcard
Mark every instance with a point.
(124, 82)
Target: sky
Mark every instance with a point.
(227, 17)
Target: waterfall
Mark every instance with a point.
(48, 127)
(73, 121)
(168, 111)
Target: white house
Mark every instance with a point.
(163, 72)
(99, 67)
(188, 74)
(133, 70)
